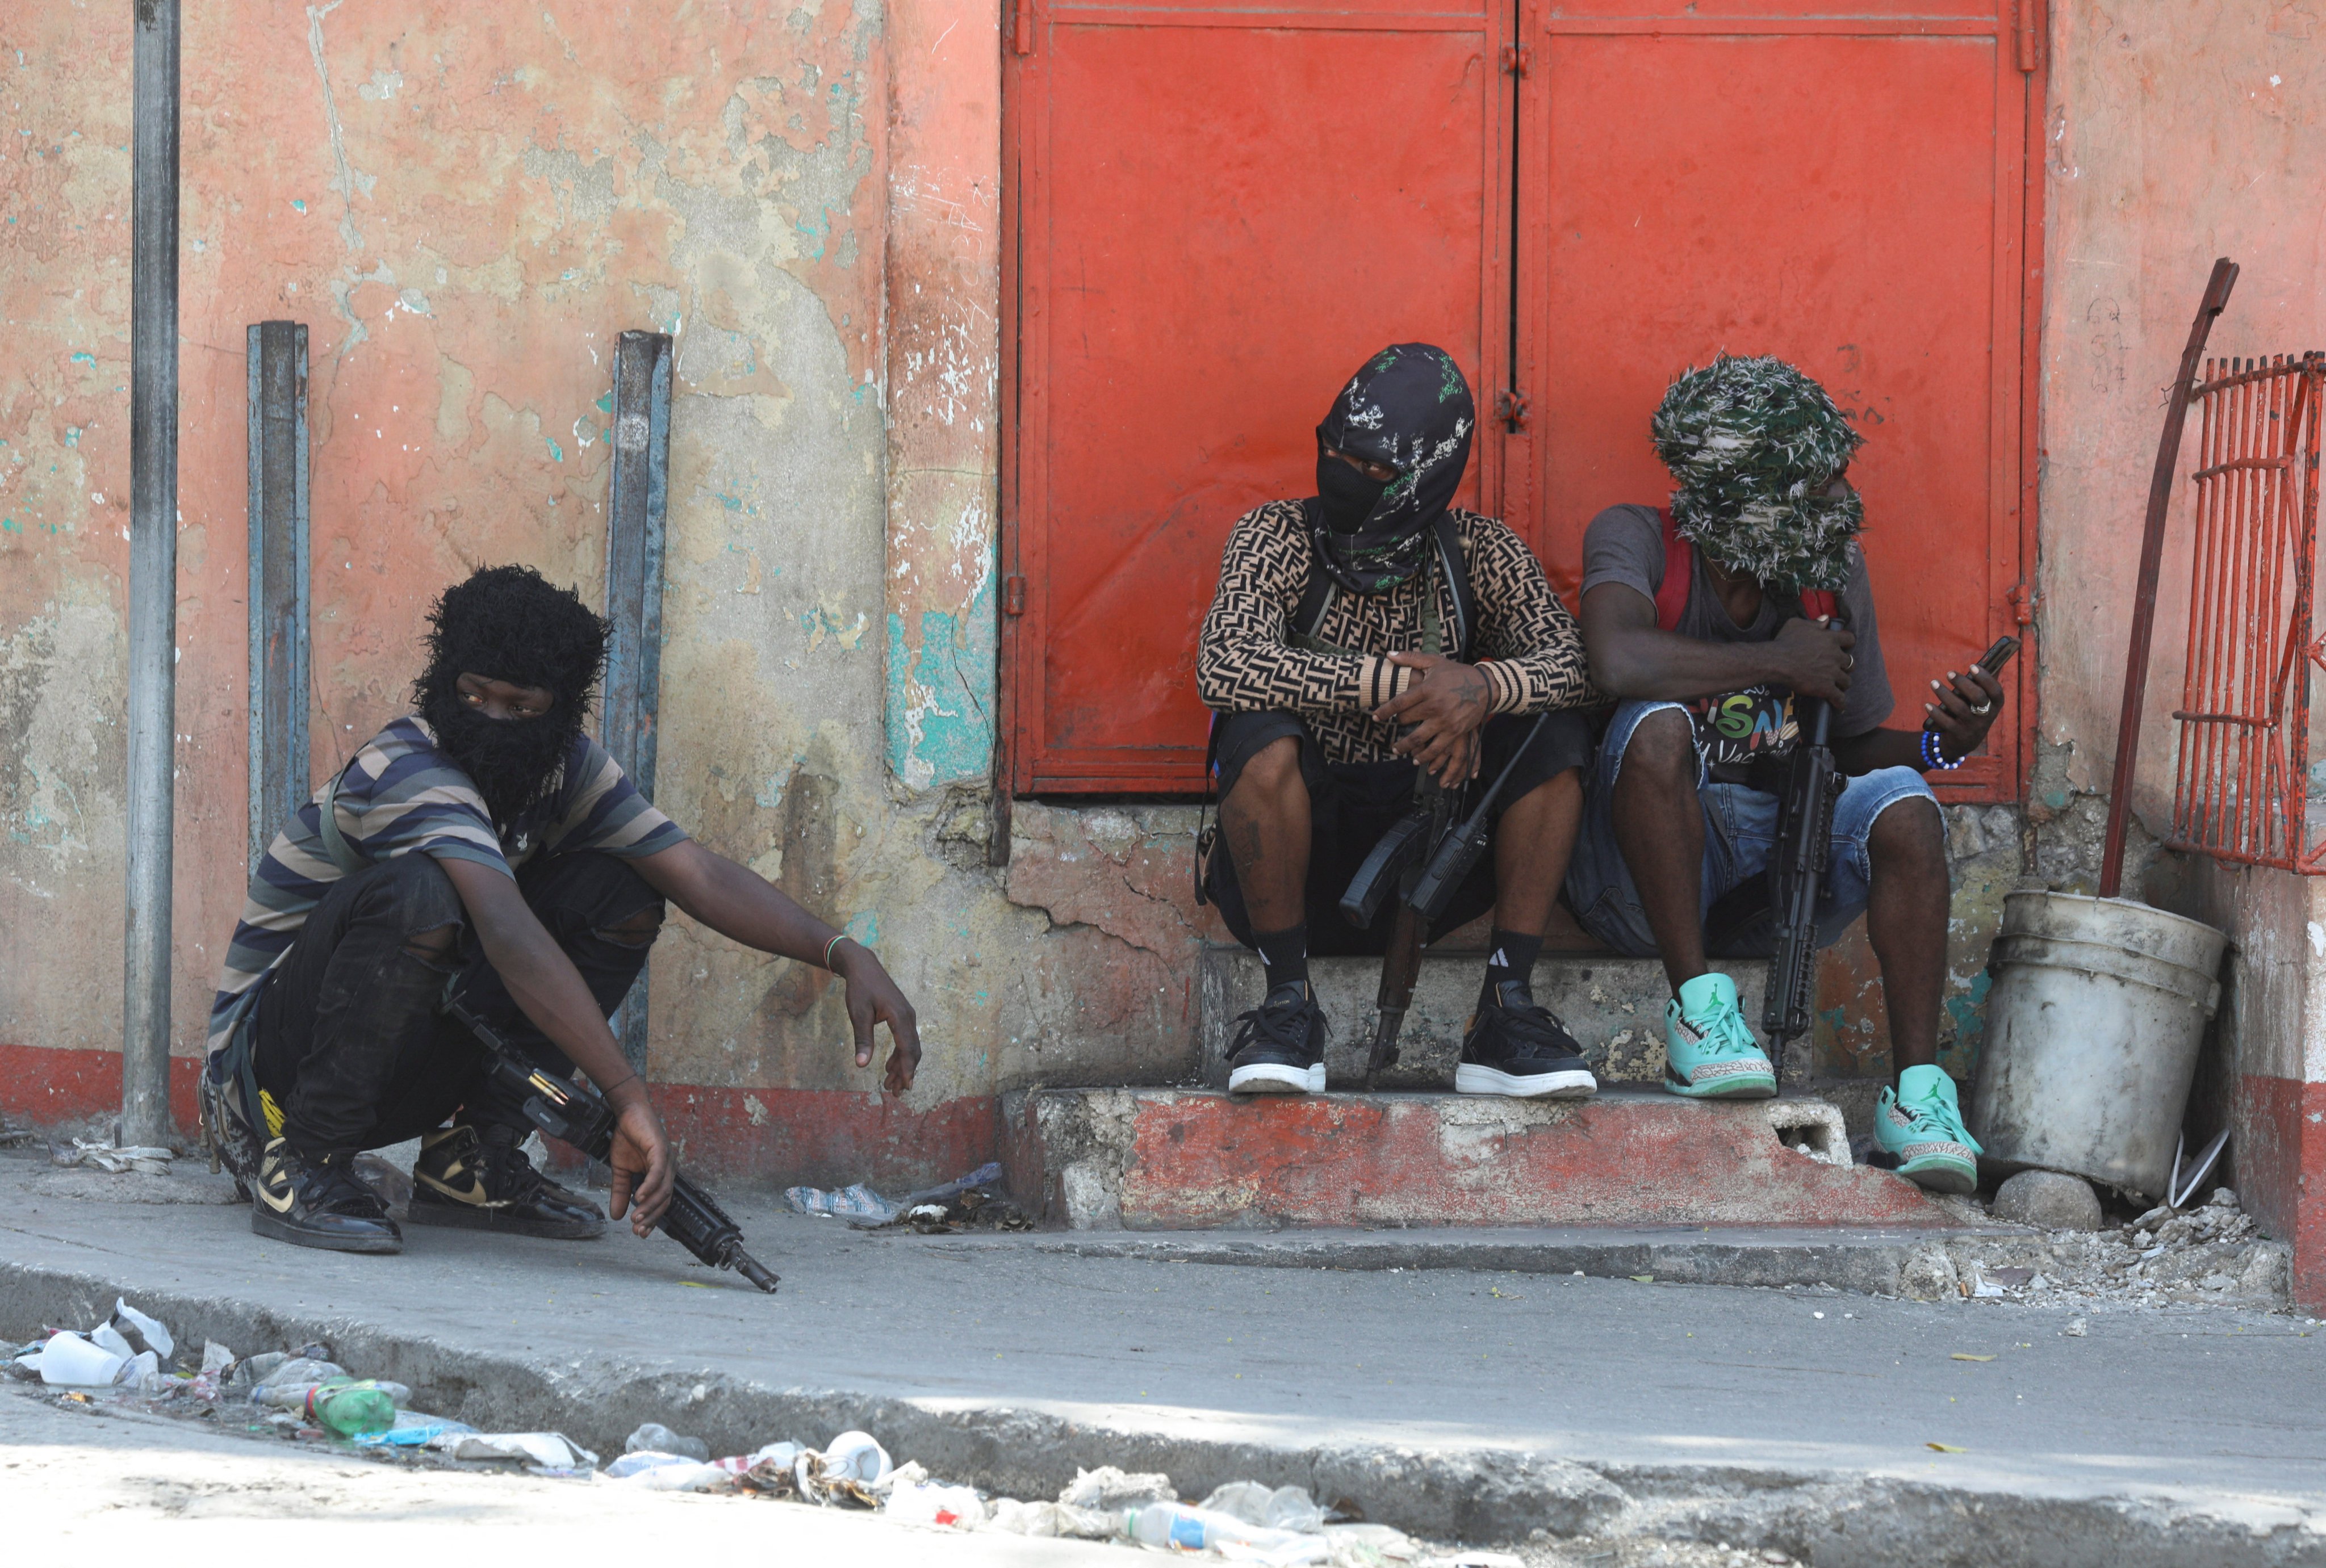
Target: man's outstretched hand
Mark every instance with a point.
(642, 1168)
(874, 998)
(1446, 705)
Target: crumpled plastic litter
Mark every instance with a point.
(1062, 1520)
(413, 1429)
(1275, 1507)
(654, 1437)
(71, 1360)
(155, 1334)
(915, 1501)
(671, 1472)
(847, 1468)
(1107, 1488)
(857, 1203)
(138, 1157)
(546, 1451)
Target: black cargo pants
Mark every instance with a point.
(351, 1042)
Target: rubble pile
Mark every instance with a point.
(2206, 1255)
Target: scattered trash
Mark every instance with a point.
(921, 1502)
(2186, 1175)
(411, 1429)
(1945, 1448)
(142, 1159)
(656, 1438)
(2075, 1329)
(1277, 1507)
(948, 1208)
(1108, 1489)
(544, 1451)
(857, 1203)
(1967, 1356)
(150, 1329)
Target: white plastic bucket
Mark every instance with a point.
(2093, 1025)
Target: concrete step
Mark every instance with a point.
(1614, 1005)
(1172, 1159)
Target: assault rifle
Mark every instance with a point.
(1423, 858)
(572, 1114)
(1796, 868)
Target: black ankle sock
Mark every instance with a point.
(1510, 961)
(1284, 954)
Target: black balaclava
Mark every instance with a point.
(1407, 408)
(509, 624)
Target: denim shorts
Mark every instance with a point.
(1740, 831)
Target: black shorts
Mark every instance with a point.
(1351, 804)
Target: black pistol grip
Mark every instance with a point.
(1377, 878)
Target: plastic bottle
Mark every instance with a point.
(1176, 1525)
(340, 1404)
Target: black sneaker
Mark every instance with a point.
(1518, 1048)
(479, 1179)
(318, 1202)
(1280, 1048)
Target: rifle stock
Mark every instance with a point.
(573, 1115)
(1796, 868)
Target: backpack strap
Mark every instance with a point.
(1679, 572)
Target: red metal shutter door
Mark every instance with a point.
(1842, 192)
(1218, 214)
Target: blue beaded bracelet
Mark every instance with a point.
(1934, 759)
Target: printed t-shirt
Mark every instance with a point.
(1625, 544)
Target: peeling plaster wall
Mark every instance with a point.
(466, 204)
(2178, 131)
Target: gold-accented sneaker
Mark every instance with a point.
(318, 1202)
(478, 1178)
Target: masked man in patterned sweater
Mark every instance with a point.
(487, 842)
(1709, 621)
(1360, 637)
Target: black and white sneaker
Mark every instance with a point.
(1518, 1048)
(1280, 1048)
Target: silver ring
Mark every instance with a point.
(1981, 710)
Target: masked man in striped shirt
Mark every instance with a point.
(484, 842)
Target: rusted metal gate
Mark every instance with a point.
(1216, 212)
(2241, 791)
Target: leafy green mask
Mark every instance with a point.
(1753, 443)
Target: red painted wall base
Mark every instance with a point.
(820, 1138)
(2277, 1141)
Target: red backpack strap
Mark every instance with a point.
(1679, 572)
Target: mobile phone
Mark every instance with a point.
(1995, 658)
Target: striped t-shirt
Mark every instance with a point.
(401, 794)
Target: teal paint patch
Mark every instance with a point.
(555, 450)
(72, 435)
(1969, 1012)
(864, 928)
(9, 524)
(940, 710)
(606, 403)
(297, 205)
(2056, 799)
(84, 358)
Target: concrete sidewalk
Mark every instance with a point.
(1454, 1403)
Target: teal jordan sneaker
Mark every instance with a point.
(1709, 1053)
(1919, 1125)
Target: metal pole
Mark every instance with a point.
(2152, 562)
(636, 502)
(152, 572)
(278, 577)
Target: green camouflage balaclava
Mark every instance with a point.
(1754, 443)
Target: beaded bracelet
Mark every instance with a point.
(837, 939)
(1934, 756)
